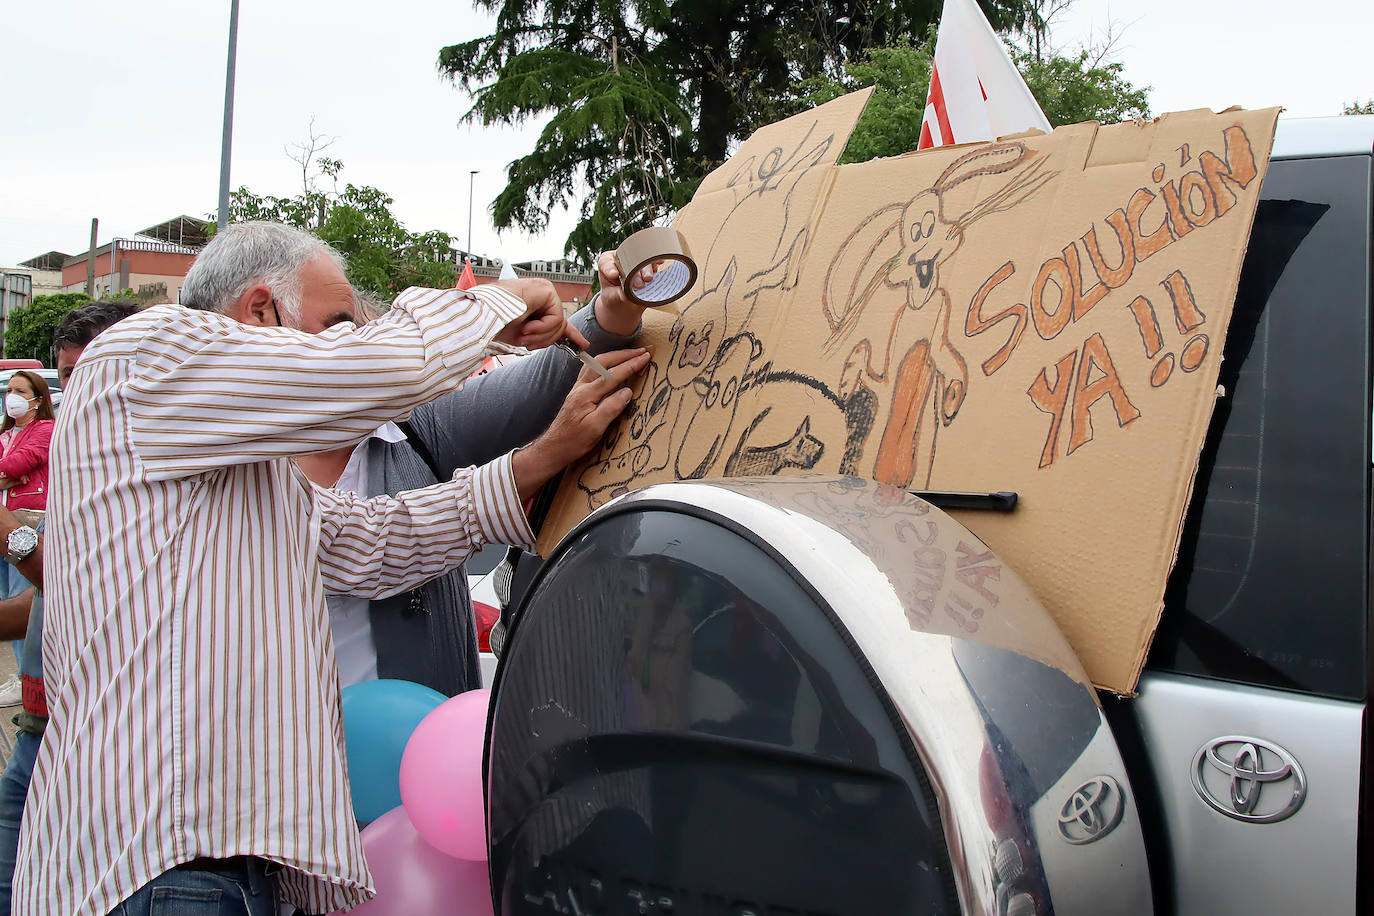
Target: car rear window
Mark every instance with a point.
(1270, 586)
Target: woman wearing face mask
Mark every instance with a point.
(24, 437)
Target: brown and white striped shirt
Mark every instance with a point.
(187, 653)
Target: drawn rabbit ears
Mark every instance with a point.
(1024, 174)
(987, 160)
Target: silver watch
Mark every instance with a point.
(22, 542)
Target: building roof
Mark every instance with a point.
(51, 261)
(180, 230)
(126, 246)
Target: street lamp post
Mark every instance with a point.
(222, 218)
(471, 176)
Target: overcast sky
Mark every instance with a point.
(114, 110)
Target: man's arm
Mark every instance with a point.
(510, 406)
(206, 391)
(581, 422)
(374, 548)
(31, 567)
(14, 615)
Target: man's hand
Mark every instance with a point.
(544, 323)
(614, 310)
(589, 408)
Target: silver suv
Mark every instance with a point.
(732, 697)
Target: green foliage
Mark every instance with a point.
(1069, 89)
(1355, 108)
(1079, 88)
(383, 256)
(891, 124)
(29, 335)
(647, 96)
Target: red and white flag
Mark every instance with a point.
(975, 91)
(466, 280)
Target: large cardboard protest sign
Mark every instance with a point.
(1043, 314)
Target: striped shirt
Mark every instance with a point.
(190, 671)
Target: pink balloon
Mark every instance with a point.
(415, 879)
(441, 776)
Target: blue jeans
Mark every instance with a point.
(14, 788)
(232, 890)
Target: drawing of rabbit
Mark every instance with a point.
(892, 261)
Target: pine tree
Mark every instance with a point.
(647, 96)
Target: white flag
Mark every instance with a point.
(508, 272)
(975, 91)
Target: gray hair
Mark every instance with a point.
(369, 307)
(253, 252)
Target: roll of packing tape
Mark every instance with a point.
(671, 281)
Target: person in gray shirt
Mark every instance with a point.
(428, 635)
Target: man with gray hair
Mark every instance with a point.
(194, 751)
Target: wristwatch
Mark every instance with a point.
(22, 542)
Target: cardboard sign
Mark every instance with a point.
(1043, 314)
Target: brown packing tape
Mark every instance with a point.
(671, 281)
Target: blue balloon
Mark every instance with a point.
(379, 717)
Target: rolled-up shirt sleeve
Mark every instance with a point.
(207, 391)
(378, 547)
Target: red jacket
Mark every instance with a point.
(27, 457)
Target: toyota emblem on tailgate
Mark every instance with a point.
(1092, 810)
(1249, 779)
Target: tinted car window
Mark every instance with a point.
(1270, 586)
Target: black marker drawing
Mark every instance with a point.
(713, 359)
(801, 450)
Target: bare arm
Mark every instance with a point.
(14, 615)
(31, 567)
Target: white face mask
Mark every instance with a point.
(16, 405)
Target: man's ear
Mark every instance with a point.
(256, 307)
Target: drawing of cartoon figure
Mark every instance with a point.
(703, 374)
(716, 397)
(890, 264)
(768, 211)
(800, 450)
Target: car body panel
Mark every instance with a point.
(1305, 863)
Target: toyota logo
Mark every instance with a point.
(1092, 810)
(1249, 779)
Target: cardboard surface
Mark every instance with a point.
(1044, 314)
